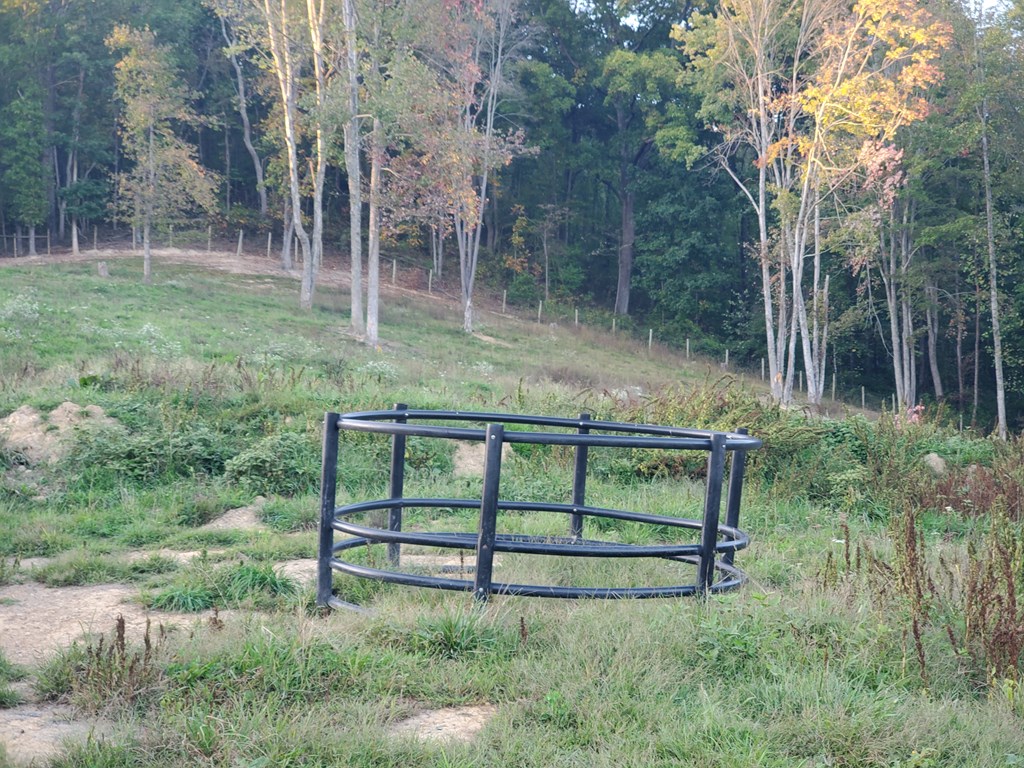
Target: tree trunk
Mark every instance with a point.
(280, 42)
(32, 240)
(997, 338)
(931, 293)
(352, 169)
(961, 332)
(977, 354)
(147, 254)
(147, 221)
(243, 111)
(625, 276)
(373, 255)
(627, 200)
(288, 232)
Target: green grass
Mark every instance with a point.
(219, 385)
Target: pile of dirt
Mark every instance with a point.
(40, 439)
(245, 518)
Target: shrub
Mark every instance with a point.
(105, 457)
(286, 463)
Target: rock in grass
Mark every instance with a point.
(935, 463)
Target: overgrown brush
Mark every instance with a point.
(993, 483)
(106, 673)
(960, 609)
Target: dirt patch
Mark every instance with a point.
(302, 572)
(492, 340)
(43, 440)
(469, 458)
(452, 724)
(39, 731)
(35, 621)
(182, 557)
(243, 518)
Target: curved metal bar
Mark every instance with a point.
(568, 546)
(665, 437)
(734, 579)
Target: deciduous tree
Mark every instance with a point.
(166, 181)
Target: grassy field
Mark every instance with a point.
(883, 624)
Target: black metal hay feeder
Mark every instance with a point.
(714, 574)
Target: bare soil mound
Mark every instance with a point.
(245, 518)
(43, 439)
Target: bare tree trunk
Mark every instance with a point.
(284, 69)
(931, 293)
(243, 111)
(437, 248)
(547, 264)
(993, 288)
(311, 268)
(147, 254)
(32, 240)
(977, 353)
(147, 220)
(288, 234)
(373, 264)
(627, 225)
(961, 332)
(352, 169)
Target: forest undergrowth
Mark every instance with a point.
(883, 624)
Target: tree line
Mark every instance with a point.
(828, 187)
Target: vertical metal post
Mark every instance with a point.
(493, 439)
(579, 482)
(712, 508)
(732, 504)
(397, 487)
(328, 487)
